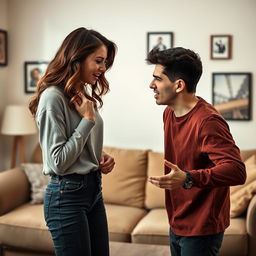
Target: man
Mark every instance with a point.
(221, 47)
(201, 158)
(35, 76)
(160, 46)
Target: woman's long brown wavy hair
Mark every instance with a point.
(64, 69)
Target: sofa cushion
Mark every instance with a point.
(235, 241)
(250, 165)
(125, 185)
(245, 154)
(122, 220)
(37, 180)
(154, 195)
(152, 231)
(24, 227)
(241, 195)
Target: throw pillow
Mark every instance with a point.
(240, 196)
(250, 164)
(37, 180)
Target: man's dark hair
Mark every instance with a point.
(179, 63)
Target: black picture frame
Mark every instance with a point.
(3, 48)
(231, 95)
(160, 40)
(221, 47)
(33, 71)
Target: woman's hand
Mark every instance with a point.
(85, 107)
(107, 163)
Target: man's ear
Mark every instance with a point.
(180, 85)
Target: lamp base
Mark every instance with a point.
(18, 142)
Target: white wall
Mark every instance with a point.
(132, 119)
(3, 78)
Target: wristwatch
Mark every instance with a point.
(188, 184)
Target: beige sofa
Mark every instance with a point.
(134, 207)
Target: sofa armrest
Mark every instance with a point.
(14, 189)
(251, 226)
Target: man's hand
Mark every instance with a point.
(173, 180)
(107, 163)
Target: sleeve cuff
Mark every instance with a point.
(85, 127)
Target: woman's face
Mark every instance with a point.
(94, 65)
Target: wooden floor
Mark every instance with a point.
(117, 249)
(131, 249)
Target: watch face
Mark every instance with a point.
(188, 182)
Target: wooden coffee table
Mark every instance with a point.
(132, 249)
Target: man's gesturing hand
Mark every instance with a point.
(173, 180)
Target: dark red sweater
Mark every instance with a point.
(200, 142)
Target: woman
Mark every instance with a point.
(71, 138)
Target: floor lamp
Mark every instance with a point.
(18, 122)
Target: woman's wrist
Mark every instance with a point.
(91, 118)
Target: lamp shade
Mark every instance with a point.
(17, 120)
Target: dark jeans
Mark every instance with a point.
(195, 245)
(75, 215)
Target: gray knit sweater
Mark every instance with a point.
(69, 142)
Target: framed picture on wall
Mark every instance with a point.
(33, 71)
(159, 40)
(221, 47)
(231, 94)
(3, 48)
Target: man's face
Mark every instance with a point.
(164, 89)
(160, 40)
(36, 74)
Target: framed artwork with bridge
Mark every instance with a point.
(231, 95)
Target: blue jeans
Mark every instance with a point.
(75, 215)
(208, 245)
